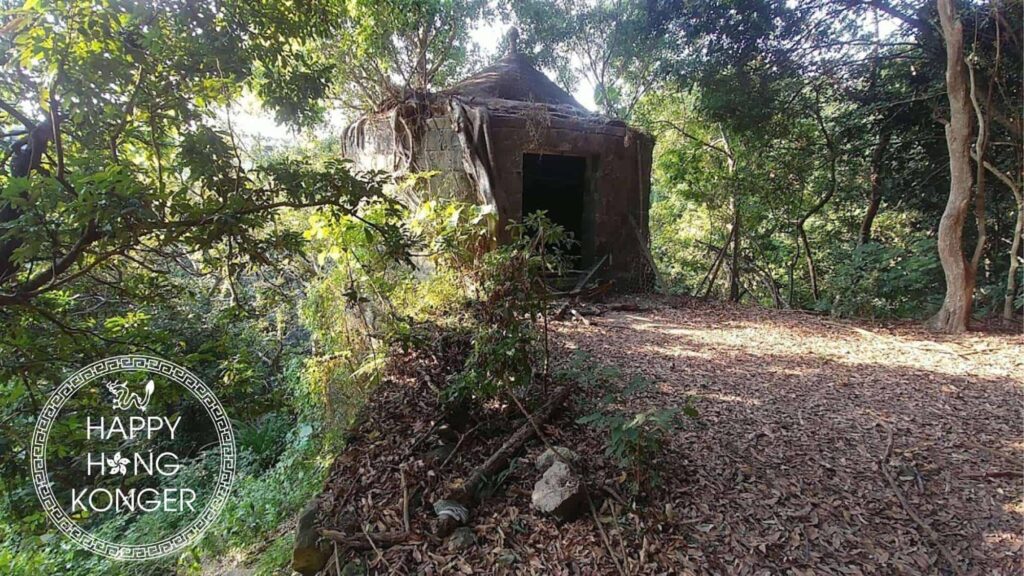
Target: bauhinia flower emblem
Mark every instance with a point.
(118, 464)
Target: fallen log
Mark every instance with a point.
(469, 491)
(363, 541)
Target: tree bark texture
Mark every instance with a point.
(953, 317)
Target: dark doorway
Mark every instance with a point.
(556, 184)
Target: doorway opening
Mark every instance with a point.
(557, 185)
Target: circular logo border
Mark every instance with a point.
(179, 375)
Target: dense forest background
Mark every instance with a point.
(818, 155)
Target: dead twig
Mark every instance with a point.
(497, 461)
(604, 536)
(998, 474)
(883, 465)
(467, 494)
(405, 501)
(1015, 462)
(421, 438)
(380, 556)
(462, 438)
(577, 290)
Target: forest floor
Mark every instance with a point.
(798, 411)
(817, 445)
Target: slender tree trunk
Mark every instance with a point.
(712, 274)
(956, 306)
(812, 271)
(792, 266)
(1011, 280)
(27, 155)
(833, 157)
(734, 269)
(735, 283)
(980, 148)
(1017, 188)
(877, 159)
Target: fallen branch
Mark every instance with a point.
(578, 289)
(627, 307)
(586, 294)
(468, 493)
(462, 438)
(366, 541)
(645, 249)
(499, 459)
(883, 465)
(1015, 462)
(600, 529)
(419, 439)
(405, 501)
(587, 276)
(376, 549)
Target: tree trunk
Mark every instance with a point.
(956, 306)
(833, 157)
(980, 148)
(1011, 280)
(812, 271)
(735, 283)
(877, 159)
(734, 269)
(792, 266)
(712, 274)
(27, 155)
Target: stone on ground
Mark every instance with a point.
(307, 557)
(559, 492)
(462, 538)
(547, 458)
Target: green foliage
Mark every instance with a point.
(636, 441)
(492, 484)
(879, 281)
(621, 48)
(258, 506)
(385, 49)
(506, 345)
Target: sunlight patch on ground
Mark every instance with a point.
(852, 346)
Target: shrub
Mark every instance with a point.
(635, 439)
(513, 298)
(885, 281)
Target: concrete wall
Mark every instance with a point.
(618, 181)
(618, 178)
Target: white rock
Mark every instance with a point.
(559, 492)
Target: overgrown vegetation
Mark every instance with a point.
(507, 347)
(801, 163)
(635, 440)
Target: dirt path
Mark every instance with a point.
(785, 476)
